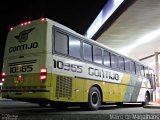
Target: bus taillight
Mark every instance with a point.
(43, 74)
(3, 76)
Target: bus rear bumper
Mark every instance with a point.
(31, 96)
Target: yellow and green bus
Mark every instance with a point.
(48, 63)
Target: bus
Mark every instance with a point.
(48, 63)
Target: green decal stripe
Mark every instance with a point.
(133, 90)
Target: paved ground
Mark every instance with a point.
(21, 110)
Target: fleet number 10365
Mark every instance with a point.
(21, 68)
(67, 66)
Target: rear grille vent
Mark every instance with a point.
(63, 87)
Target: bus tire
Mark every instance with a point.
(43, 104)
(94, 98)
(147, 99)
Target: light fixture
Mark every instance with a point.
(142, 40)
(103, 16)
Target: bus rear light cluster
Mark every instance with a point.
(43, 74)
(11, 28)
(3, 76)
(25, 23)
(22, 24)
(42, 19)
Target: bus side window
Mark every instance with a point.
(107, 58)
(146, 72)
(61, 43)
(150, 73)
(74, 47)
(151, 77)
(138, 71)
(97, 55)
(87, 52)
(127, 65)
(142, 70)
(121, 63)
(114, 61)
(133, 70)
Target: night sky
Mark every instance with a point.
(75, 14)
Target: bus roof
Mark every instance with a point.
(52, 22)
(91, 40)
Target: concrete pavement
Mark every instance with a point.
(153, 105)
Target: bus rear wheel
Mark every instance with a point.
(94, 98)
(147, 99)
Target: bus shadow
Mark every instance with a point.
(76, 108)
(35, 109)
